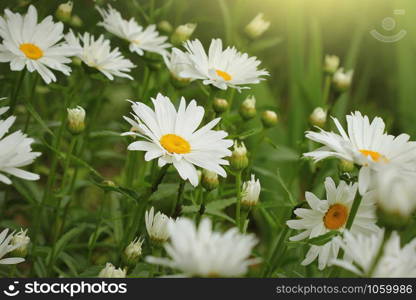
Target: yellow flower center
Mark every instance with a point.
(175, 144)
(31, 51)
(374, 155)
(224, 75)
(336, 216)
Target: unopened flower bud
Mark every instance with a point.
(182, 33)
(346, 166)
(64, 11)
(209, 180)
(21, 240)
(133, 252)
(269, 118)
(76, 21)
(165, 26)
(110, 271)
(318, 117)
(220, 105)
(248, 108)
(257, 26)
(331, 64)
(76, 120)
(342, 80)
(239, 159)
(157, 226)
(251, 192)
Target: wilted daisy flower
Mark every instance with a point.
(172, 137)
(15, 152)
(157, 225)
(140, 39)
(251, 192)
(324, 216)
(97, 54)
(365, 144)
(361, 252)
(110, 271)
(205, 253)
(34, 46)
(133, 252)
(257, 26)
(222, 68)
(6, 246)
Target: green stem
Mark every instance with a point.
(238, 204)
(202, 207)
(327, 88)
(15, 94)
(141, 206)
(353, 212)
(31, 100)
(276, 253)
(97, 227)
(177, 207)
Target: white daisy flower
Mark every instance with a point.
(97, 54)
(6, 246)
(157, 225)
(140, 39)
(365, 144)
(34, 46)
(204, 253)
(331, 214)
(172, 137)
(15, 152)
(342, 80)
(361, 251)
(222, 68)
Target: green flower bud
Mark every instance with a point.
(209, 180)
(182, 33)
(269, 118)
(133, 252)
(76, 21)
(76, 120)
(318, 117)
(220, 105)
(331, 64)
(165, 26)
(248, 108)
(342, 80)
(257, 26)
(21, 240)
(346, 166)
(239, 159)
(64, 11)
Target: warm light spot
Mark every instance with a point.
(374, 155)
(336, 216)
(175, 144)
(224, 75)
(31, 51)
